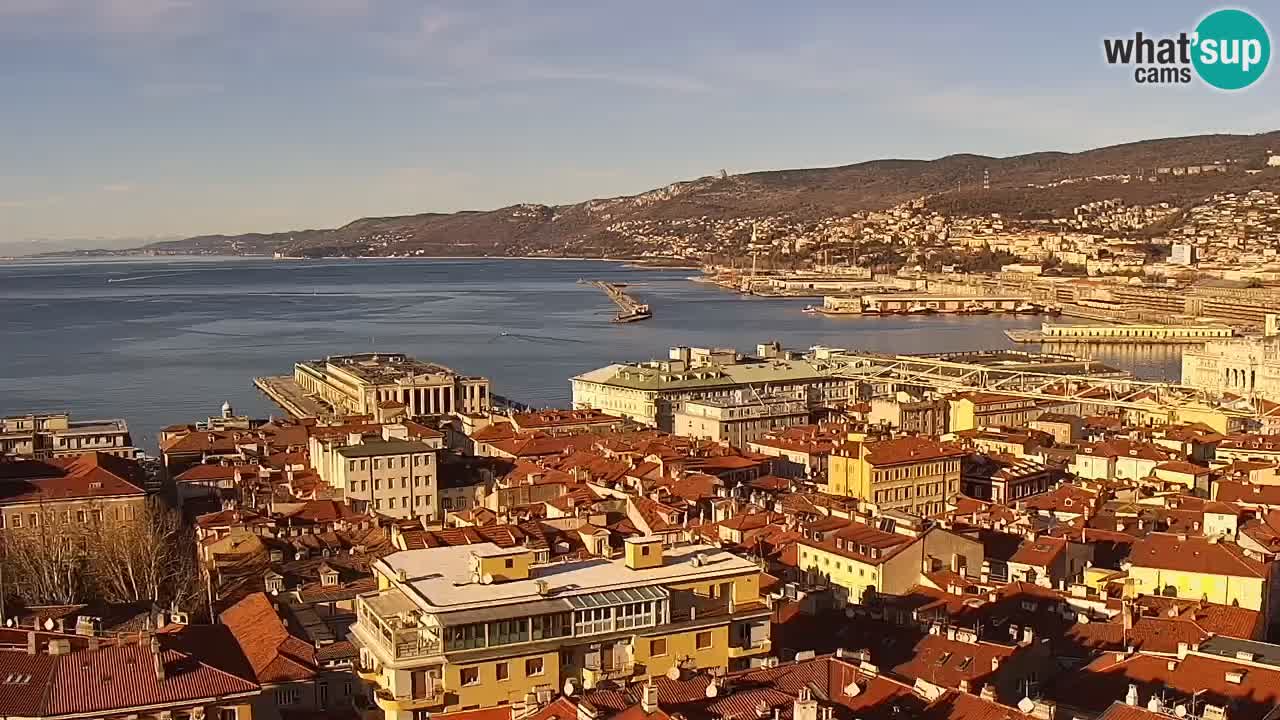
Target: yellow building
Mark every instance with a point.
(911, 474)
(454, 628)
(1201, 568)
(859, 560)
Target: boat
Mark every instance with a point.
(1054, 310)
(810, 309)
(975, 308)
(637, 313)
(1027, 308)
(919, 309)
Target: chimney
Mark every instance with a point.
(995, 664)
(1131, 697)
(157, 659)
(988, 692)
(964, 685)
(1028, 635)
(31, 642)
(60, 646)
(805, 707)
(649, 699)
(586, 711)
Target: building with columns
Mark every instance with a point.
(359, 384)
(1245, 366)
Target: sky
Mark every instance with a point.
(164, 118)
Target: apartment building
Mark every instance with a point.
(650, 392)
(363, 384)
(39, 437)
(82, 492)
(387, 475)
(739, 419)
(911, 474)
(476, 626)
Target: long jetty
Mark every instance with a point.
(629, 309)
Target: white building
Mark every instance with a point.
(1183, 254)
(649, 392)
(740, 418)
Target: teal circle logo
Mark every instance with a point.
(1231, 49)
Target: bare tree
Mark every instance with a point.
(45, 561)
(148, 558)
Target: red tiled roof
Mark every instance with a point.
(275, 655)
(909, 450)
(91, 475)
(1195, 554)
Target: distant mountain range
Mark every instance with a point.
(599, 228)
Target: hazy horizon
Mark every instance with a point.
(148, 119)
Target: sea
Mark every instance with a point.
(160, 341)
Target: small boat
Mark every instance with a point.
(1027, 308)
(871, 311)
(919, 309)
(1054, 310)
(975, 309)
(810, 309)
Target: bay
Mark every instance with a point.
(166, 340)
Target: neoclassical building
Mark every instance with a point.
(1245, 366)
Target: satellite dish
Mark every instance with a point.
(569, 687)
(1180, 711)
(673, 672)
(486, 579)
(852, 690)
(712, 689)
(1026, 705)
(48, 624)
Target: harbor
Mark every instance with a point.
(629, 309)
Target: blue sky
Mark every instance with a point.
(176, 117)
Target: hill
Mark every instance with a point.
(684, 212)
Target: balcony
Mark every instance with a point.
(748, 649)
(593, 676)
(389, 703)
(387, 624)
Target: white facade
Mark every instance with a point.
(1243, 367)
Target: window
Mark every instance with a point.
(502, 671)
(346, 689)
(703, 640)
(533, 666)
(33, 520)
(288, 696)
(644, 550)
(227, 713)
(510, 563)
(324, 693)
(80, 516)
(391, 503)
(658, 647)
(17, 520)
(470, 676)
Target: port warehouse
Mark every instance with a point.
(941, 303)
(1054, 331)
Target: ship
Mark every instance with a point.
(810, 309)
(635, 314)
(919, 309)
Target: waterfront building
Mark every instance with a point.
(740, 418)
(360, 384)
(49, 435)
(80, 493)
(1133, 332)
(649, 392)
(1246, 366)
(479, 625)
(912, 474)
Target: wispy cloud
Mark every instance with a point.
(117, 188)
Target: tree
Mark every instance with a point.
(44, 562)
(148, 558)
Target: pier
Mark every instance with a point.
(285, 392)
(629, 309)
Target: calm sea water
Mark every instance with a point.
(163, 341)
